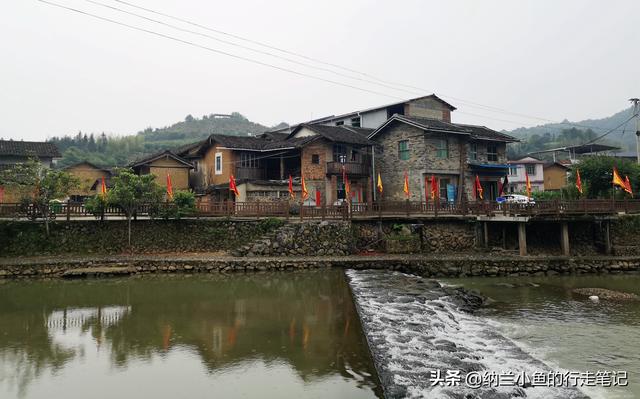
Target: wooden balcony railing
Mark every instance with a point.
(351, 168)
(554, 208)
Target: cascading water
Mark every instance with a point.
(426, 343)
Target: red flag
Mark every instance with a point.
(434, 188)
(478, 189)
(578, 181)
(169, 187)
(305, 193)
(347, 186)
(627, 185)
(232, 185)
(406, 185)
(291, 193)
(318, 198)
(103, 188)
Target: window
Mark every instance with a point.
(513, 170)
(355, 122)
(218, 163)
(531, 169)
(315, 158)
(403, 150)
(354, 155)
(442, 148)
(339, 123)
(339, 153)
(492, 153)
(249, 160)
(473, 151)
(195, 166)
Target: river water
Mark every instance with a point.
(267, 335)
(567, 331)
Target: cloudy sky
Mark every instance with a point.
(62, 71)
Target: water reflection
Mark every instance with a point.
(297, 333)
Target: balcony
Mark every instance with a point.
(352, 168)
(250, 173)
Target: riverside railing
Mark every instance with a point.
(285, 209)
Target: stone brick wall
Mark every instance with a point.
(110, 237)
(303, 239)
(423, 160)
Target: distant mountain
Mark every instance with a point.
(108, 151)
(554, 135)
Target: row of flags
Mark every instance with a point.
(478, 191)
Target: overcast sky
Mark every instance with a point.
(61, 72)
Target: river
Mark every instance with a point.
(567, 331)
(266, 335)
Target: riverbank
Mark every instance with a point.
(439, 266)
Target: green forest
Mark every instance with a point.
(110, 151)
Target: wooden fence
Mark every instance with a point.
(285, 209)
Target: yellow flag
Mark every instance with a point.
(379, 185)
(617, 180)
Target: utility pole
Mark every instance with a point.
(636, 111)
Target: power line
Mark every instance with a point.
(247, 47)
(484, 107)
(383, 82)
(187, 42)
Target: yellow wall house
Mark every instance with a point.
(90, 177)
(555, 176)
(162, 164)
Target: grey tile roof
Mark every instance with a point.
(474, 131)
(483, 132)
(29, 148)
(339, 134)
(159, 155)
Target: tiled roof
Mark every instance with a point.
(474, 131)
(340, 134)
(29, 148)
(159, 155)
(483, 132)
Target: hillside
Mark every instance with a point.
(107, 151)
(570, 133)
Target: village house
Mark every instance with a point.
(16, 152)
(452, 153)
(430, 106)
(262, 164)
(89, 177)
(555, 176)
(520, 168)
(163, 164)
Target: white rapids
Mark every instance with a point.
(416, 328)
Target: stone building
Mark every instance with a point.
(453, 153)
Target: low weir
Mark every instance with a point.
(426, 341)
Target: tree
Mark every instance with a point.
(39, 184)
(596, 175)
(131, 191)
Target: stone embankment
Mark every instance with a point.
(302, 239)
(428, 266)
